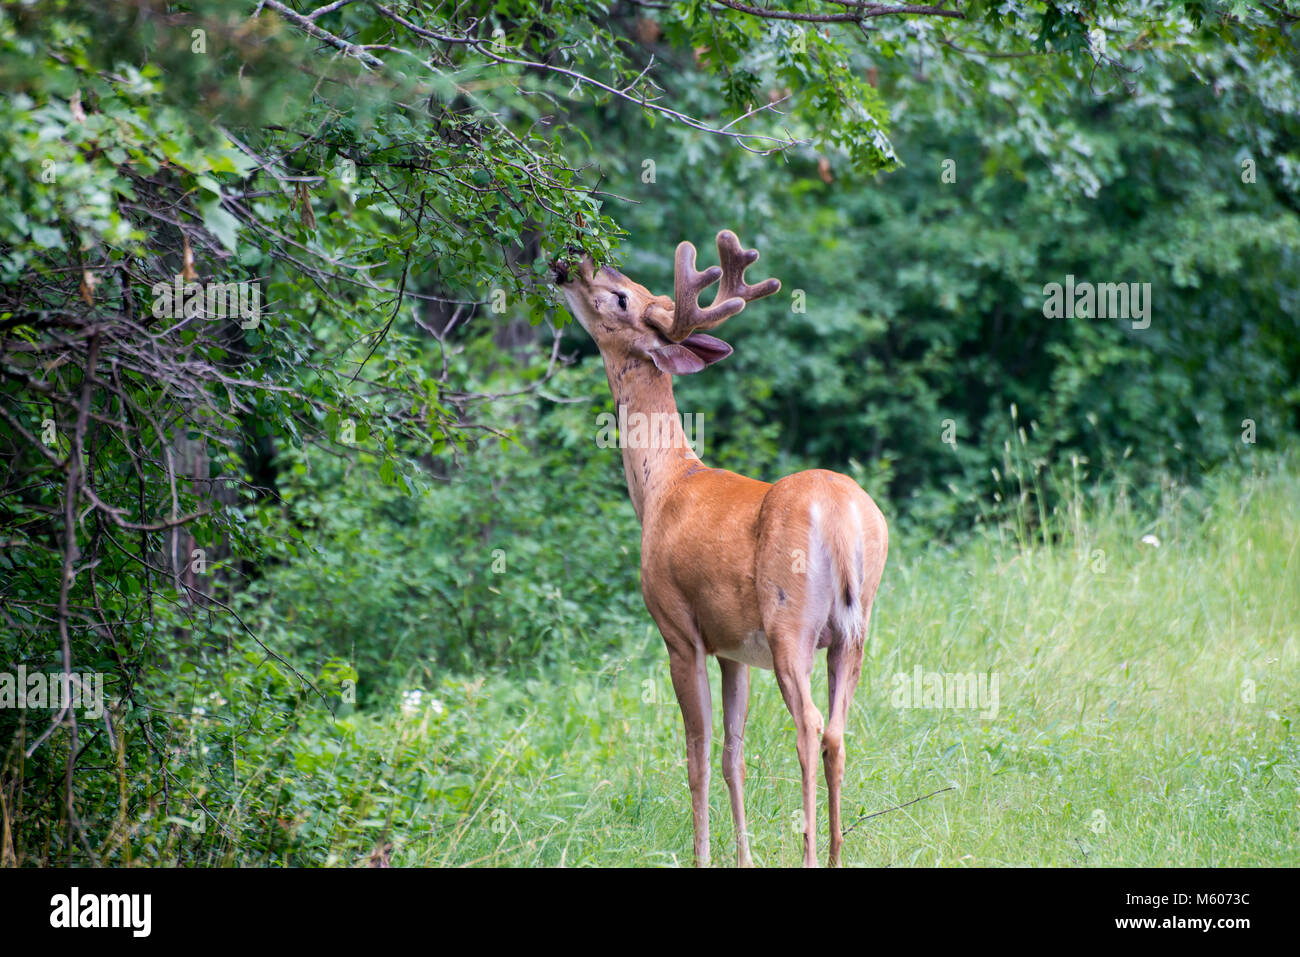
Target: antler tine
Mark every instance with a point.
(735, 260)
(688, 315)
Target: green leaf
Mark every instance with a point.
(219, 223)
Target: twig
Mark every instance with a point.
(868, 817)
(309, 27)
(864, 11)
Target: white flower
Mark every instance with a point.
(1150, 540)
(411, 701)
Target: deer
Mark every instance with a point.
(753, 573)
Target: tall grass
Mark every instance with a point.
(1145, 652)
(1146, 697)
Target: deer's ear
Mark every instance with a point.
(697, 351)
(658, 315)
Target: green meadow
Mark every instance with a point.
(1145, 710)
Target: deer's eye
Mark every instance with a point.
(622, 300)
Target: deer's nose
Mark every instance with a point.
(568, 265)
(577, 265)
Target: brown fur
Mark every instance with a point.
(750, 572)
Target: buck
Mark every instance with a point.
(755, 574)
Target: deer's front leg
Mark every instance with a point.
(691, 684)
(735, 709)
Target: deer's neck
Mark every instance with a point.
(655, 449)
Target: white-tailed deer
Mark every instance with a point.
(753, 573)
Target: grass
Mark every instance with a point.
(1147, 692)
(1146, 701)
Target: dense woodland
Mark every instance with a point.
(354, 571)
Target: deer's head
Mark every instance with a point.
(629, 322)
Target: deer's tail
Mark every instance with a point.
(857, 540)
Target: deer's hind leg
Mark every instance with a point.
(793, 666)
(843, 669)
(793, 623)
(794, 581)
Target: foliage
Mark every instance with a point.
(1179, 729)
(283, 517)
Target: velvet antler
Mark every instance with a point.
(733, 292)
